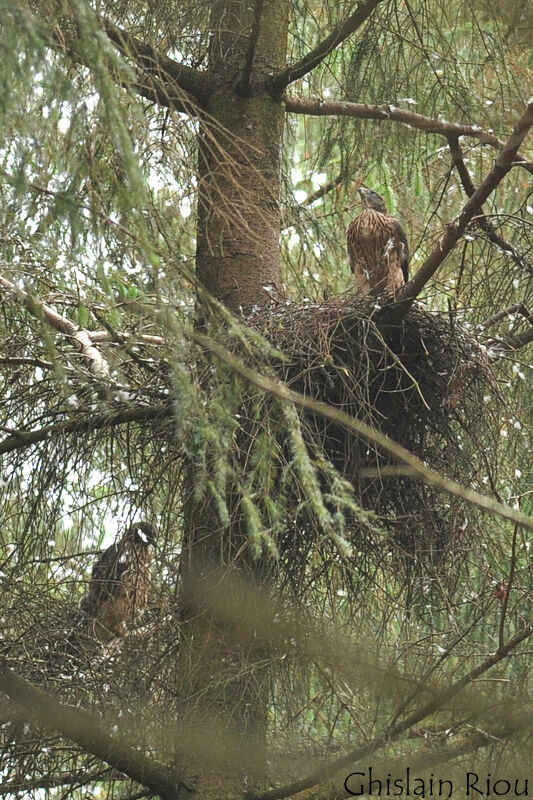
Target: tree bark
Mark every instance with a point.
(224, 675)
(239, 157)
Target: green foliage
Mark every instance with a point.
(97, 220)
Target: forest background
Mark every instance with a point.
(342, 488)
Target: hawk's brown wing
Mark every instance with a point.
(402, 246)
(105, 577)
(119, 588)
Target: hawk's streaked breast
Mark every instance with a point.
(377, 248)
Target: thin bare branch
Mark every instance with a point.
(243, 85)
(360, 428)
(393, 114)
(146, 57)
(457, 227)
(26, 362)
(482, 220)
(326, 46)
(20, 439)
(80, 337)
(170, 92)
(393, 732)
(108, 336)
(509, 344)
(87, 731)
(323, 190)
(516, 308)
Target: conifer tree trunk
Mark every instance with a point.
(223, 675)
(239, 156)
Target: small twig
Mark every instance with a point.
(510, 582)
(243, 85)
(325, 47)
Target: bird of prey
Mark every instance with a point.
(377, 248)
(118, 591)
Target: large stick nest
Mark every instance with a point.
(421, 381)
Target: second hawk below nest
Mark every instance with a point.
(377, 248)
(120, 583)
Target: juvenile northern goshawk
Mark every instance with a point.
(377, 248)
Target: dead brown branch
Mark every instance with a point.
(509, 344)
(323, 190)
(152, 62)
(243, 85)
(26, 362)
(516, 308)
(20, 439)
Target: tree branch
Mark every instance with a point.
(85, 730)
(516, 308)
(394, 731)
(393, 114)
(482, 220)
(360, 428)
(509, 344)
(291, 217)
(243, 86)
(16, 786)
(20, 439)
(325, 47)
(80, 337)
(420, 761)
(25, 362)
(170, 93)
(457, 227)
(323, 190)
(191, 80)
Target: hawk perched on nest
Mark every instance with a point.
(120, 582)
(377, 248)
